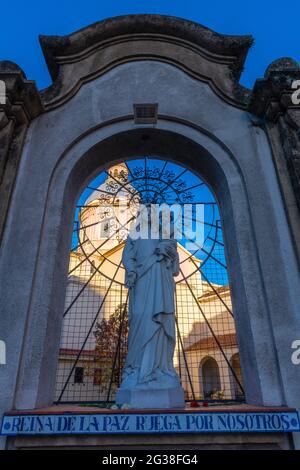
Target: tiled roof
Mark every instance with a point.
(209, 342)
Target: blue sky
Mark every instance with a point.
(274, 25)
(215, 271)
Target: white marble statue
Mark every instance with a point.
(149, 377)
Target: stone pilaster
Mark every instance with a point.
(22, 104)
(272, 100)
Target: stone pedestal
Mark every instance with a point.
(159, 398)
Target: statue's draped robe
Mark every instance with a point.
(151, 340)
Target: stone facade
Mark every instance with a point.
(244, 143)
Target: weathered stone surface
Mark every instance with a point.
(78, 139)
(159, 398)
(272, 95)
(80, 57)
(23, 104)
(234, 46)
(207, 56)
(203, 122)
(271, 100)
(220, 441)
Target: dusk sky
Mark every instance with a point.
(274, 26)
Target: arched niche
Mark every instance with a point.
(210, 377)
(101, 148)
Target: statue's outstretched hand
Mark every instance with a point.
(130, 279)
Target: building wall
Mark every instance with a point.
(68, 145)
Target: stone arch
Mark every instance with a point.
(78, 165)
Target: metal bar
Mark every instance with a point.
(217, 241)
(100, 191)
(178, 343)
(215, 291)
(122, 185)
(185, 361)
(200, 248)
(101, 244)
(191, 187)
(215, 259)
(79, 244)
(119, 352)
(213, 333)
(163, 169)
(206, 279)
(82, 289)
(89, 332)
(83, 227)
(146, 178)
(89, 280)
(118, 346)
(131, 174)
(202, 222)
(173, 180)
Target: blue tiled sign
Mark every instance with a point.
(150, 423)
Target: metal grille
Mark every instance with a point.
(94, 332)
(145, 113)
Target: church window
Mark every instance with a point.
(78, 375)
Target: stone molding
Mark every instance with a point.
(86, 54)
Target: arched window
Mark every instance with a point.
(96, 300)
(211, 384)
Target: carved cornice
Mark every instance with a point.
(23, 102)
(272, 95)
(86, 54)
